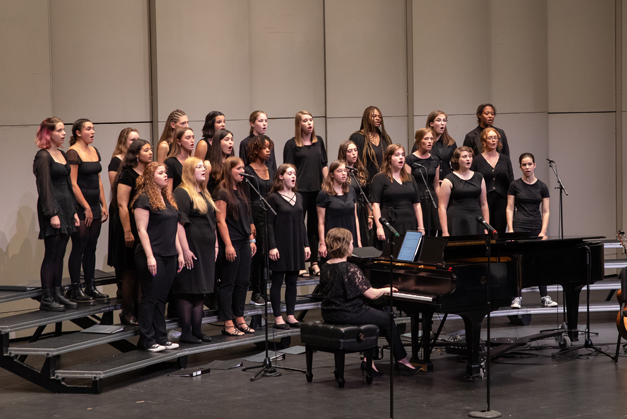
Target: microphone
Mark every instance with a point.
(550, 161)
(418, 165)
(389, 227)
(351, 169)
(247, 175)
(485, 224)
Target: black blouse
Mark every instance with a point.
(342, 285)
(239, 228)
(243, 154)
(309, 161)
(175, 171)
(498, 178)
(162, 226)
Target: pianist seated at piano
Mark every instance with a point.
(346, 289)
(524, 198)
(462, 197)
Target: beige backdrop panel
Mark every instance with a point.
(25, 67)
(366, 57)
(100, 60)
(581, 55)
(451, 55)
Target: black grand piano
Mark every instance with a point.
(458, 285)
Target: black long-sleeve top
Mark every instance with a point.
(473, 140)
(497, 178)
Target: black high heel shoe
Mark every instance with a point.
(400, 367)
(364, 369)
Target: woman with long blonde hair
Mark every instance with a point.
(158, 256)
(197, 236)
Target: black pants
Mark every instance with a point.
(497, 205)
(290, 292)
(234, 277)
(534, 232)
(155, 291)
(257, 263)
(309, 210)
(382, 319)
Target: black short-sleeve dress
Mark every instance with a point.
(286, 233)
(88, 181)
(339, 211)
(464, 205)
(200, 230)
(430, 216)
(120, 256)
(396, 202)
(174, 170)
(55, 194)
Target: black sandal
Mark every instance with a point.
(232, 331)
(243, 327)
(314, 270)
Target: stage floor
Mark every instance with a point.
(527, 384)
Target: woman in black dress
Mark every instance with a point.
(307, 153)
(395, 196)
(462, 197)
(371, 140)
(259, 151)
(337, 206)
(349, 154)
(485, 117)
(221, 149)
(124, 238)
(426, 172)
(287, 241)
(444, 145)
(176, 119)
(258, 125)
(197, 236)
(158, 255)
(125, 139)
(56, 211)
(181, 149)
(214, 122)
(344, 285)
(84, 161)
(524, 198)
(496, 169)
(237, 247)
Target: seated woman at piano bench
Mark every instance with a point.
(344, 287)
(462, 197)
(524, 197)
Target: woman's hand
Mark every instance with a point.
(380, 234)
(55, 222)
(370, 223)
(188, 258)
(253, 249)
(388, 290)
(105, 214)
(230, 254)
(181, 262)
(152, 265)
(129, 239)
(307, 253)
(274, 254)
(89, 216)
(322, 250)
(77, 221)
(217, 251)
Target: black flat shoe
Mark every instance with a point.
(189, 339)
(203, 337)
(282, 326)
(364, 370)
(295, 325)
(404, 368)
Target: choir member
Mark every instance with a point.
(349, 154)
(444, 145)
(337, 205)
(287, 241)
(197, 236)
(176, 119)
(371, 140)
(84, 160)
(237, 246)
(307, 153)
(123, 237)
(426, 172)
(395, 196)
(181, 149)
(259, 152)
(158, 256)
(214, 122)
(344, 285)
(524, 198)
(462, 197)
(125, 139)
(497, 172)
(485, 118)
(258, 125)
(221, 149)
(56, 210)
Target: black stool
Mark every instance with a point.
(339, 339)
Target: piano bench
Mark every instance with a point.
(339, 339)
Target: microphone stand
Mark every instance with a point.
(428, 227)
(394, 234)
(267, 369)
(363, 197)
(563, 191)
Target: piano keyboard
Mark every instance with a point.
(412, 297)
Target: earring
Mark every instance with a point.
(137, 159)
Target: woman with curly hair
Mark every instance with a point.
(349, 154)
(176, 119)
(197, 236)
(214, 122)
(259, 151)
(158, 256)
(371, 140)
(180, 150)
(56, 210)
(237, 247)
(395, 196)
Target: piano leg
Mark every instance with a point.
(424, 364)
(472, 323)
(572, 310)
